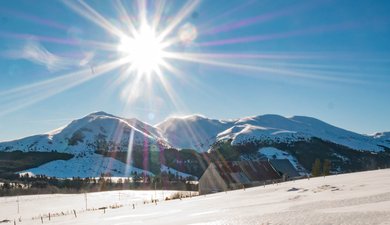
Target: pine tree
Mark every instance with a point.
(326, 168)
(316, 170)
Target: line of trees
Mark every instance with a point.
(41, 184)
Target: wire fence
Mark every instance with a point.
(46, 207)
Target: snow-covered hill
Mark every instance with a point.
(383, 136)
(200, 133)
(92, 165)
(85, 135)
(101, 131)
(193, 132)
(280, 129)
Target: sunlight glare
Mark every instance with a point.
(143, 51)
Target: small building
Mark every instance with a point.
(223, 176)
(285, 168)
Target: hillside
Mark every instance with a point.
(105, 143)
(200, 133)
(94, 131)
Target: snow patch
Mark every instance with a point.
(88, 166)
(274, 153)
(169, 170)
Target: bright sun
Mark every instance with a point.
(143, 50)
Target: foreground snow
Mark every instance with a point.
(34, 206)
(358, 198)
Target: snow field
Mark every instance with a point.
(32, 207)
(356, 199)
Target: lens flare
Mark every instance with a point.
(143, 51)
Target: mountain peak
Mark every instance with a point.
(100, 113)
(197, 132)
(306, 119)
(190, 117)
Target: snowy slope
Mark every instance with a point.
(32, 207)
(246, 133)
(280, 129)
(169, 170)
(200, 133)
(274, 153)
(91, 165)
(103, 131)
(350, 199)
(382, 136)
(82, 135)
(194, 132)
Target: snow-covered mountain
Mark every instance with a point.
(383, 136)
(82, 138)
(280, 129)
(200, 133)
(192, 132)
(86, 134)
(100, 131)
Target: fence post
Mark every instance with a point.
(17, 202)
(86, 201)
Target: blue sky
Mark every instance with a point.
(325, 59)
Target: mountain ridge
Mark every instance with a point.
(199, 132)
(104, 143)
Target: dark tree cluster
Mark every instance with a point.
(41, 184)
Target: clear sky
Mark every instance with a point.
(223, 59)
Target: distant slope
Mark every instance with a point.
(383, 137)
(11, 162)
(99, 135)
(81, 138)
(93, 165)
(192, 132)
(279, 129)
(200, 133)
(96, 130)
(101, 129)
